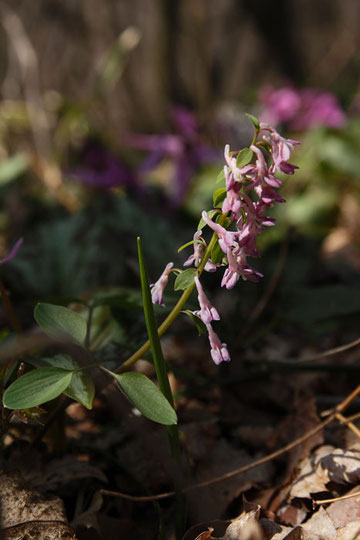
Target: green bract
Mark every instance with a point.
(244, 157)
(218, 196)
(254, 120)
(201, 328)
(185, 279)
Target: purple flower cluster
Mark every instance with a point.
(245, 220)
(184, 148)
(301, 109)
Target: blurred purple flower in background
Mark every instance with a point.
(12, 252)
(185, 149)
(101, 169)
(301, 109)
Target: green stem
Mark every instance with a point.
(177, 308)
(163, 380)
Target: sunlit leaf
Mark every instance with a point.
(218, 196)
(12, 168)
(185, 279)
(244, 157)
(254, 120)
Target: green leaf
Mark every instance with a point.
(201, 327)
(254, 120)
(220, 177)
(37, 387)
(82, 387)
(217, 253)
(218, 196)
(59, 322)
(146, 397)
(12, 168)
(244, 157)
(185, 279)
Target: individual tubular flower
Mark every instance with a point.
(232, 273)
(196, 257)
(207, 312)
(219, 352)
(226, 238)
(237, 172)
(157, 289)
(238, 266)
(280, 148)
(231, 202)
(264, 174)
(12, 252)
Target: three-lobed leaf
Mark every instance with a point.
(37, 387)
(146, 397)
(59, 322)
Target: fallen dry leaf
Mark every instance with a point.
(216, 497)
(346, 510)
(343, 466)
(311, 478)
(246, 526)
(321, 525)
(217, 527)
(25, 510)
(349, 531)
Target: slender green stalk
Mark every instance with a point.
(163, 379)
(175, 311)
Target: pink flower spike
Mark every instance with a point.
(157, 289)
(219, 352)
(207, 312)
(226, 238)
(12, 252)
